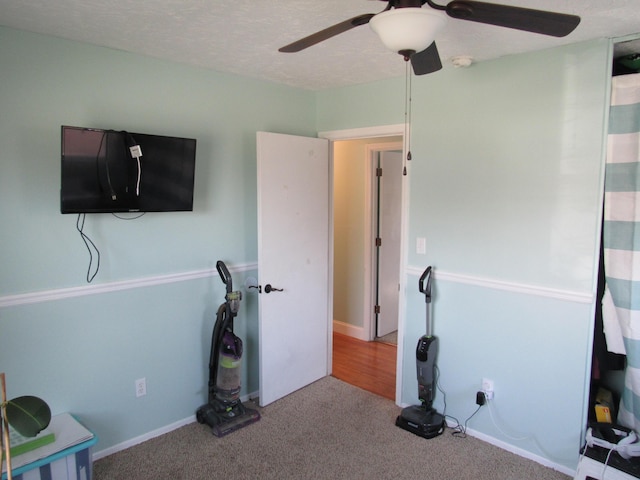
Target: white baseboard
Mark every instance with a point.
(350, 330)
(155, 433)
(186, 421)
(143, 438)
(519, 451)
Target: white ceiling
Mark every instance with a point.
(243, 36)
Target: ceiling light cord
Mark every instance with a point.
(407, 115)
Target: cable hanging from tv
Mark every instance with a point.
(91, 247)
(99, 176)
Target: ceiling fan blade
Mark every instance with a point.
(529, 20)
(426, 61)
(327, 33)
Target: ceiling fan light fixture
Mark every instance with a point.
(409, 28)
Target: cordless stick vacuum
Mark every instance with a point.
(224, 412)
(424, 420)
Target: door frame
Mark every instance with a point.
(358, 134)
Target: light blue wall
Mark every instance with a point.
(505, 185)
(508, 158)
(47, 83)
(83, 354)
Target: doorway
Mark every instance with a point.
(367, 212)
(278, 158)
(368, 232)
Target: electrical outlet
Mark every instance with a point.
(141, 387)
(487, 388)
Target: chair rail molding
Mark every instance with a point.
(71, 292)
(558, 294)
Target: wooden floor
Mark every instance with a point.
(368, 365)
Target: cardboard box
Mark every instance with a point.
(605, 410)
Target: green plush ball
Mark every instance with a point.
(29, 415)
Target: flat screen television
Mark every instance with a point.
(108, 171)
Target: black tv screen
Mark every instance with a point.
(108, 171)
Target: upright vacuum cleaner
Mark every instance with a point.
(224, 412)
(423, 419)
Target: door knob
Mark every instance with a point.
(268, 288)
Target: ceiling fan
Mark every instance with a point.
(407, 28)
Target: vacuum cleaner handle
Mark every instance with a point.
(426, 275)
(223, 271)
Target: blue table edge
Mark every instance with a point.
(55, 456)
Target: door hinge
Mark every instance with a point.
(376, 309)
(379, 172)
(378, 242)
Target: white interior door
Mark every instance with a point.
(390, 232)
(293, 257)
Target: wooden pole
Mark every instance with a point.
(4, 429)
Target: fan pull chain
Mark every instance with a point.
(407, 115)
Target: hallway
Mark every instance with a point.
(368, 365)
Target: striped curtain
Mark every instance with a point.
(621, 303)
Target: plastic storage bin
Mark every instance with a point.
(592, 466)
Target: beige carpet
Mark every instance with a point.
(328, 430)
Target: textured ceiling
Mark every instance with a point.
(243, 36)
